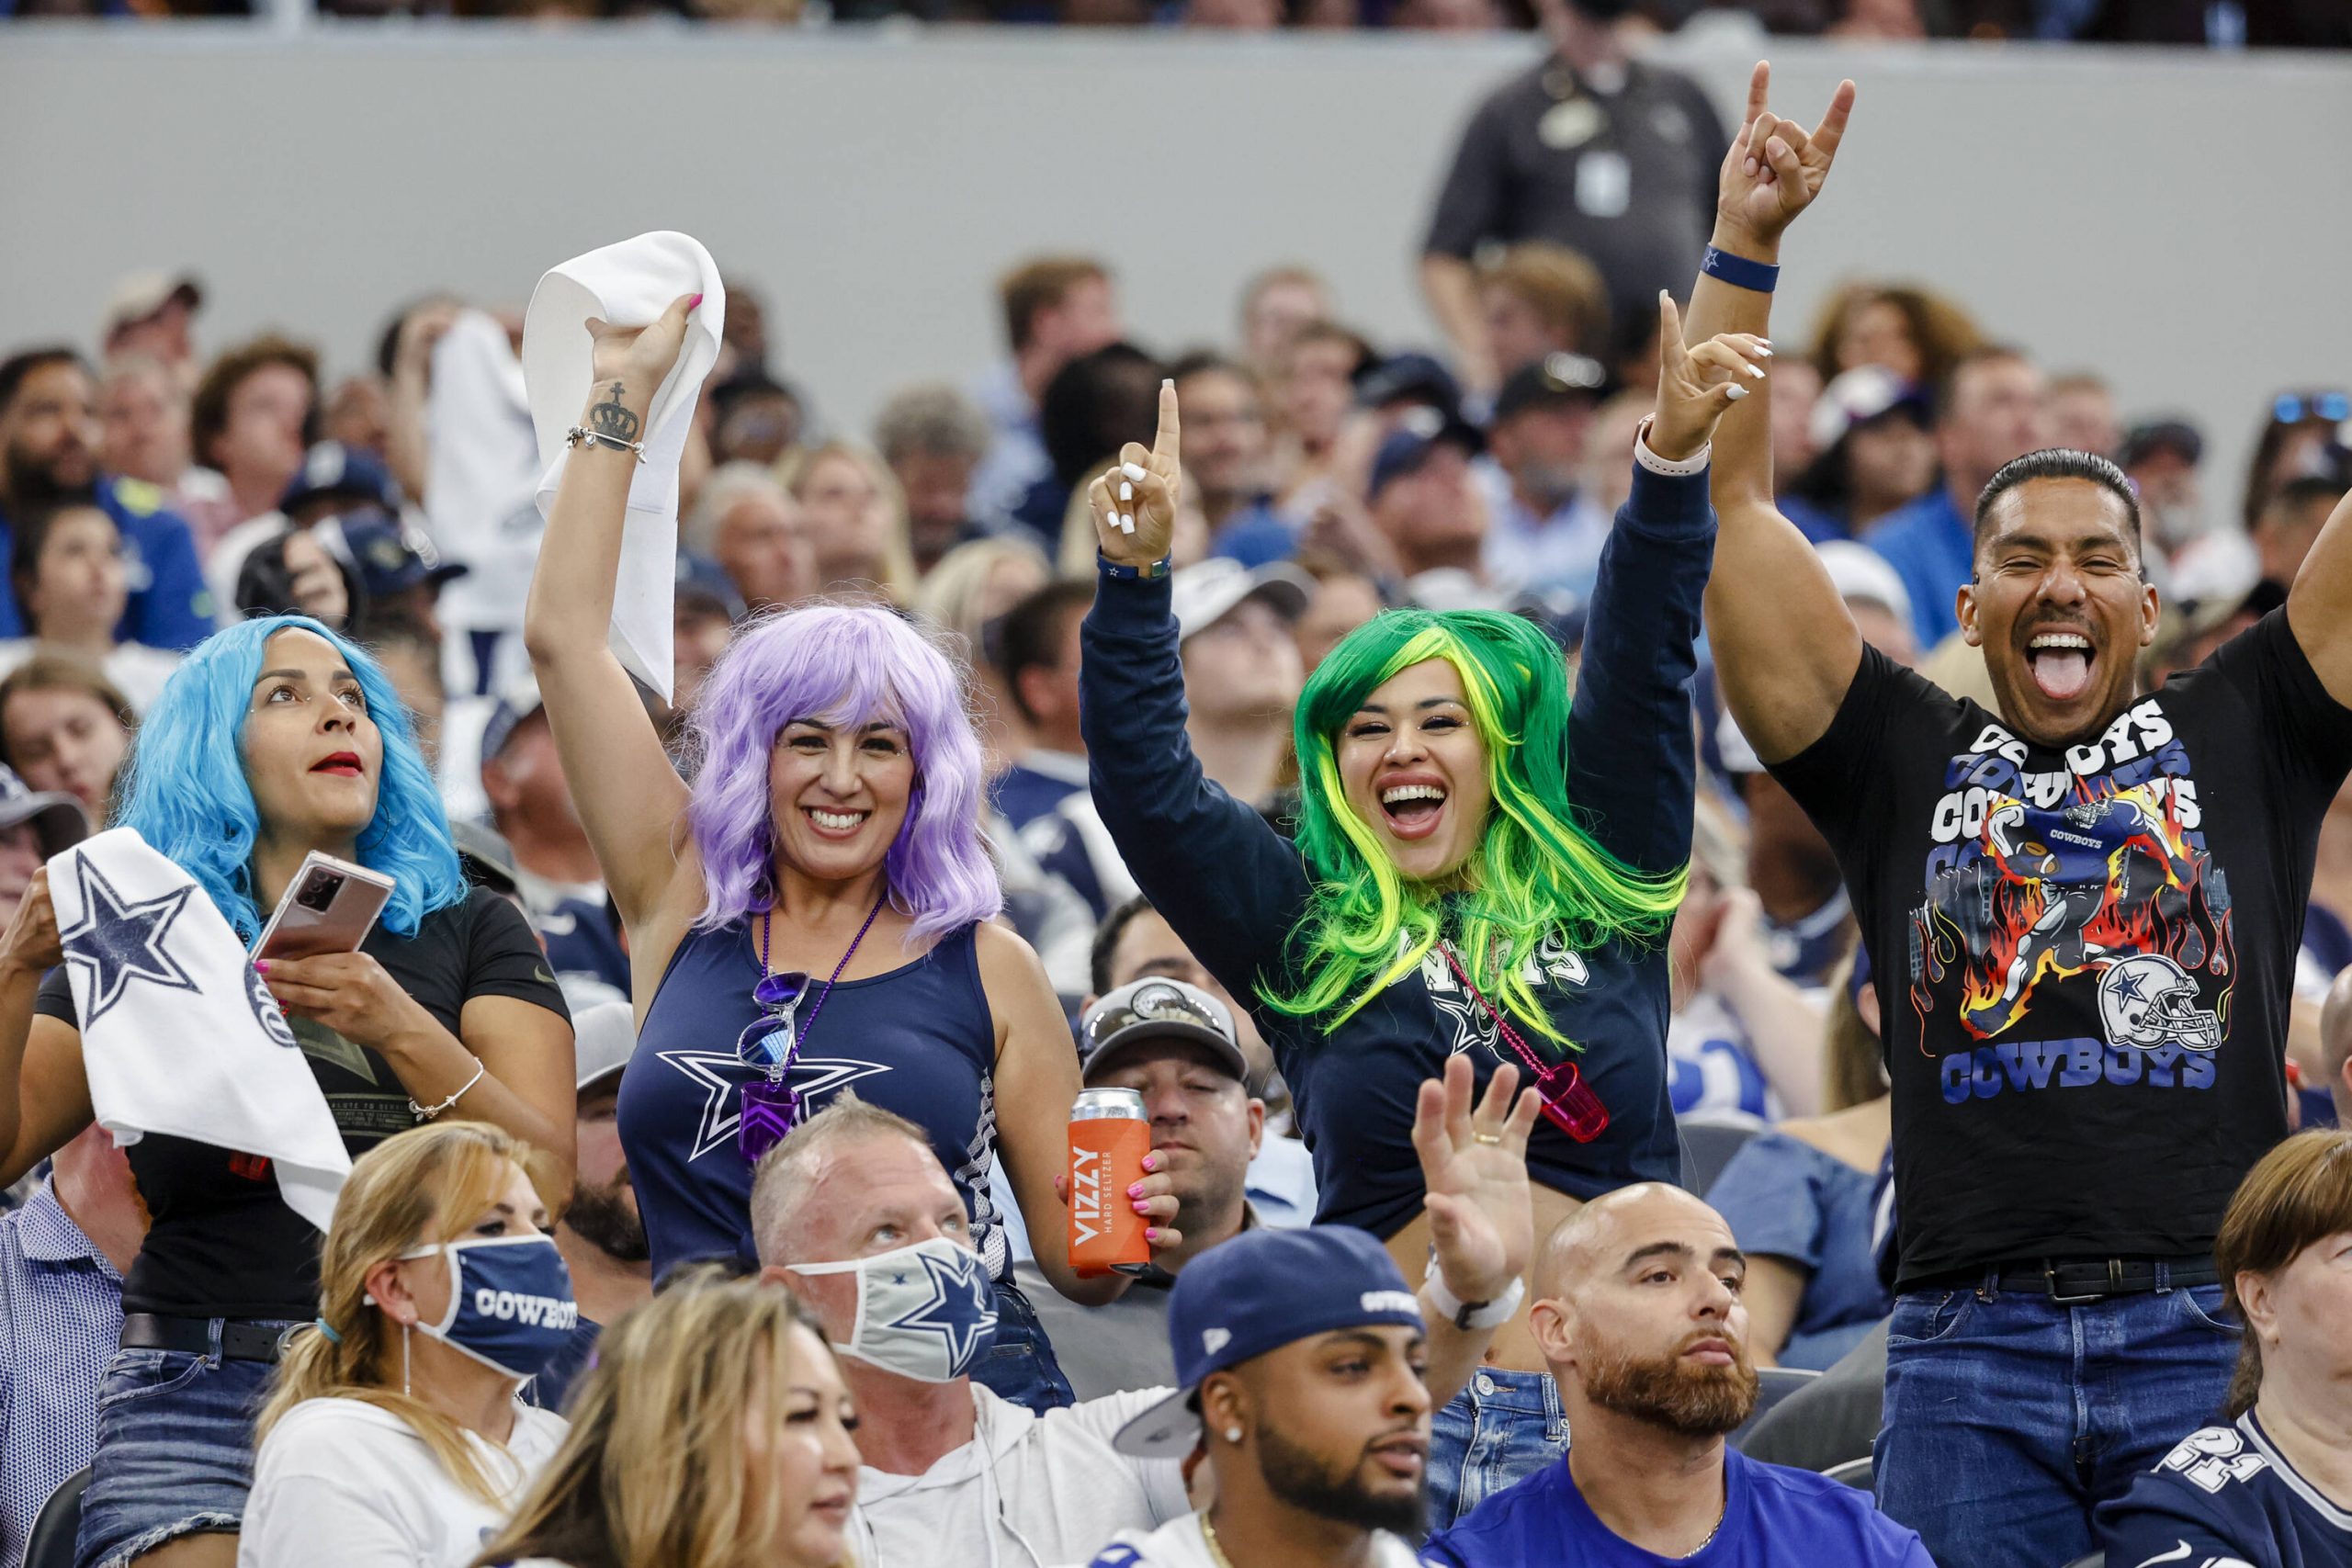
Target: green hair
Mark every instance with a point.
(1536, 869)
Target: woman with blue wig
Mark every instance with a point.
(275, 738)
(814, 913)
(1478, 868)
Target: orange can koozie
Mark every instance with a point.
(1109, 1135)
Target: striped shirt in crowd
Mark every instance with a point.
(61, 1320)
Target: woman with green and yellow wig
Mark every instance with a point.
(1481, 866)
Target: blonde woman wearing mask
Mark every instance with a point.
(714, 1432)
(394, 1429)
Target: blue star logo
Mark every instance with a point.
(120, 943)
(2127, 986)
(720, 1074)
(957, 1307)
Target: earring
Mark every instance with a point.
(1233, 1434)
(404, 1391)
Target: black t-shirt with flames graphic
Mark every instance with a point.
(2083, 957)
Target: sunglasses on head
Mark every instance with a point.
(2293, 408)
(771, 1106)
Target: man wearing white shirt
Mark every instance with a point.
(1303, 1355)
(853, 1212)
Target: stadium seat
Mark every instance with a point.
(1708, 1144)
(50, 1543)
(1773, 1385)
(1854, 1473)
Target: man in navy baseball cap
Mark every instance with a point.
(1302, 1357)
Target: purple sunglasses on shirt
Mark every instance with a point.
(770, 1045)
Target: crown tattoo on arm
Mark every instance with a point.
(610, 419)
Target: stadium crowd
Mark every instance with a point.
(1724, 937)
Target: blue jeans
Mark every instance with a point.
(1019, 1364)
(2009, 1416)
(176, 1450)
(1502, 1428)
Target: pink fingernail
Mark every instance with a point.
(1151, 1162)
(695, 301)
(1152, 1233)
(1143, 1208)
(1137, 1190)
(261, 965)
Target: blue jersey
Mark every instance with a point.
(920, 1040)
(1630, 765)
(2225, 1498)
(169, 604)
(1774, 1518)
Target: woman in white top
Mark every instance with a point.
(393, 1431)
(713, 1432)
(71, 581)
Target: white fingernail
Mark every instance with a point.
(1168, 382)
(1126, 491)
(1126, 524)
(1755, 370)
(1764, 350)
(1735, 393)
(1133, 470)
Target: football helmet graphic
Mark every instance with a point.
(2148, 1000)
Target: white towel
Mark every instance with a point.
(179, 1036)
(480, 501)
(628, 285)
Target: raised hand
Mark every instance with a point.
(1134, 503)
(32, 944)
(1775, 167)
(1474, 1167)
(1696, 386)
(640, 357)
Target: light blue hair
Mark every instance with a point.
(185, 787)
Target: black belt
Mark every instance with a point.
(2066, 1280)
(193, 1336)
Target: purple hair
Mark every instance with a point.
(840, 665)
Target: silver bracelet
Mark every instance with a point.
(579, 434)
(426, 1113)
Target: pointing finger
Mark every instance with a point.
(1167, 446)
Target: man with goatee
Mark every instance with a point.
(1639, 1317)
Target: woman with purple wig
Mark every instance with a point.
(814, 912)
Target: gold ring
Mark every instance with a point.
(1485, 1137)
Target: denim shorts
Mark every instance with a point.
(1019, 1364)
(176, 1450)
(1501, 1428)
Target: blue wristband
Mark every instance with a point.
(1151, 573)
(1740, 272)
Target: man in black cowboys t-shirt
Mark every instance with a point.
(2083, 915)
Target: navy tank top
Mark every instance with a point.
(918, 1040)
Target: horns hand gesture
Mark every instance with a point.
(1775, 167)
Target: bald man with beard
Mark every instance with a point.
(1638, 1315)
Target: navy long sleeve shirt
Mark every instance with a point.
(1235, 891)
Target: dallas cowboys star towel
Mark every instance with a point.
(179, 1036)
(628, 285)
